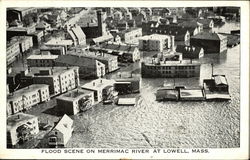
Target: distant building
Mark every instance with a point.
(20, 31)
(101, 40)
(99, 87)
(20, 128)
(110, 61)
(190, 52)
(77, 35)
(41, 60)
(170, 68)
(61, 133)
(117, 15)
(156, 42)
(27, 97)
(37, 37)
(12, 52)
(182, 34)
(59, 42)
(125, 52)
(25, 43)
(93, 29)
(18, 13)
(88, 67)
(129, 36)
(210, 42)
(55, 50)
(75, 101)
(43, 26)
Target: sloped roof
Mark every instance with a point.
(209, 36)
(220, 80)
(77, 31)
(64, 124)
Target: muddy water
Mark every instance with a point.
(168, 124)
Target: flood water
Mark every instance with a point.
(168, 124)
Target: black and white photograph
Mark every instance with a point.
(123, 77)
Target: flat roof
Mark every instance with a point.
(41, 56)
(26, 90)
(98, 84)
(126, 101)
(96, 55)
(59, 42)
(191, 93)
(171, 63)
(55, 70)
(18, 119)
(74, 94)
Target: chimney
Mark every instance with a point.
(172, 43)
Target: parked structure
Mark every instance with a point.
(210, 42)
(27, 97)
(100, 87)
(88, 67)
(20, 128)
(41, 60)
(75, 101)
(125, 52)
(190, 52)
(61, 133)
(156, 42)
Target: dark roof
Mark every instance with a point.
(188, 51)
(123, 48)
(208, 36)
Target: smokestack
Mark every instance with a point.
(172, 43)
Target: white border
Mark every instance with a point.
(236, 153)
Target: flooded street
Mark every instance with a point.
(168, 124)
(164, 124)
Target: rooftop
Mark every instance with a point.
(95, 55)
(23, 91)
(18, 119)
(77, 61)
(103, 38)
(59, 41)
(209, 36)
(156, 62)
(41, 56)
(154, 36)
(64, 124)
(119, 47)
(49, 71)
(98, 84)
(74, 94)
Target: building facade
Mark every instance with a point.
(25, 42)
(12, 52)
(61, 133)
(88, 68)
(27, 97)
(156, 42)
(75, 101)
(41, 60)
(21, 127)
(210, 42)
(170, 69)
